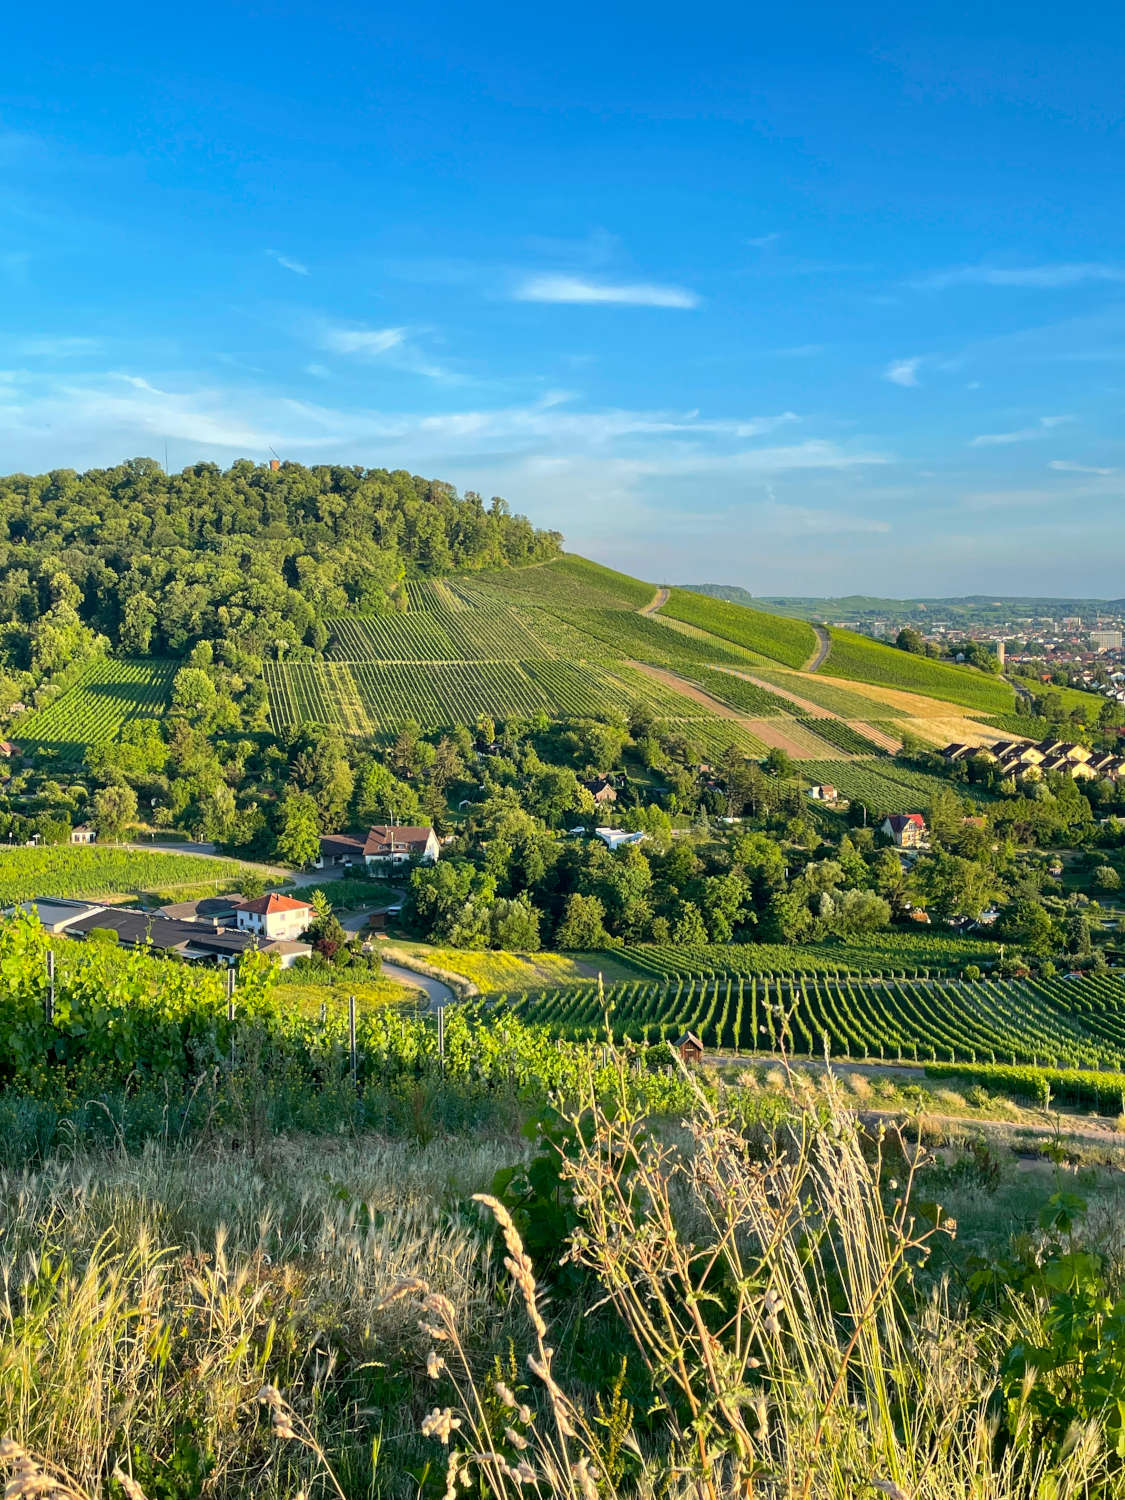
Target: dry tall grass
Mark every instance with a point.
(327, 1318)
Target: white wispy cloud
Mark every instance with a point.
(579, 289)
(760, 241)
(1019, 435)
(1064, 274)
(119, 410)
(903, 371)
(399, 346)
(129, 403)
(296, 266)
(321, 372)
(1065, 466)
(55, 346)
(343, 338)
(800, 351)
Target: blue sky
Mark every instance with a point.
(827, 300)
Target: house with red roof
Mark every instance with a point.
(905, 830)
(273, 916)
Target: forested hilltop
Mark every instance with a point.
(251, 556)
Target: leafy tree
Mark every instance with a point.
(1078, 934)
(787, 918)
(515, 925)
(857, 913)
(380, 797)
(689, 931)
(193, 694)
(298, 829)
(954, 886)
(583, 925)
(115, 808)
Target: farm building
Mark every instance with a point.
(387, 846)
(194, 942)
(824, 793)
(274, 917)
(601, 789)
(218, 910)
(340, 849)
(83, 834)
(906, 830)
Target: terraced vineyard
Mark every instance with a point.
(743, 695)
(571, 639)
(883, 784)
(854, 1016)
(436, 635)
(844, 737)
(863, 660)
(379, 697)
(916, 954)
(829, 696)
(571, 583)
(110, 693)
(789, 641)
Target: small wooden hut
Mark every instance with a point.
(689, 1047)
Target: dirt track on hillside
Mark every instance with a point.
(810, 710)
(658, 601)
(771, 732)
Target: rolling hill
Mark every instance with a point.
(569, 638)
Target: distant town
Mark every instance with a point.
(1068, 650)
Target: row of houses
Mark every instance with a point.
(217, 930)
(1023, 758)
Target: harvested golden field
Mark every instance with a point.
(915, 706)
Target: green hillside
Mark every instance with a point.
(791, 642)
(862, 660)
(569, 638)
(570, 582)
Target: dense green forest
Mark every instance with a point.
(253, 557)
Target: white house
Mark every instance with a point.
(389, 847)
(274, 917)
(613, 838)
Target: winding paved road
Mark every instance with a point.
(823, 646)
(436, 992)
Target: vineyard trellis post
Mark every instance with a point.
(49, 1008)
(441, 1035)
(230, 1011)
(351, 1042)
